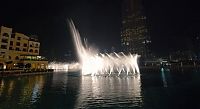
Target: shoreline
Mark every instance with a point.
(8, 73)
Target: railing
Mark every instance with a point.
(33, 59)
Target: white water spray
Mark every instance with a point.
(95, 63)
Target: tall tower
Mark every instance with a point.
(134, 34)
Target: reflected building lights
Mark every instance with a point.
(17, 92)
(105, 89)
(10, 87)
(1, 87)
(37, 89)
(32, 90)
(35, 93)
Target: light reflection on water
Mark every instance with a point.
(109, 91)
(17, 92)
(63, 90)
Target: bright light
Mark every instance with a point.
(58, 66)
(94, 63)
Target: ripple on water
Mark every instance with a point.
(109, 92)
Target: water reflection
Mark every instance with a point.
(163, 77)
(1, 87)
(59, 82)
(20, 93)
(68, 91)
(96, 92)
(60, 92)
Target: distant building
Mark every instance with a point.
(134, 34)
(182, 55)
(18, 50)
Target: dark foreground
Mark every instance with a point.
(60, 90)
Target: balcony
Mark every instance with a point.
(4, 40)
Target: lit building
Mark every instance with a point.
(134, 34)
(18, 51)
(5, 36)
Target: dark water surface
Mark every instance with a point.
(61, 90)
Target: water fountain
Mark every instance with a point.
(95, 63)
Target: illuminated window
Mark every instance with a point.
(127, 43)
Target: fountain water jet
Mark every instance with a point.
(95, 63)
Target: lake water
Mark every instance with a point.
(62, 90)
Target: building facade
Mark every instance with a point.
(16, 47)
(134, 35)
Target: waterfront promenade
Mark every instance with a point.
(19, 72)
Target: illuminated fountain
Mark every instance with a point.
(95, 63)
(59, 66)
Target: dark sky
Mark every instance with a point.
(172, 23)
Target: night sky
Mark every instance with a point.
(172, 23)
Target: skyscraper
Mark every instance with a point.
(134, 34)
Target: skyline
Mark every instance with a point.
(171, 23)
